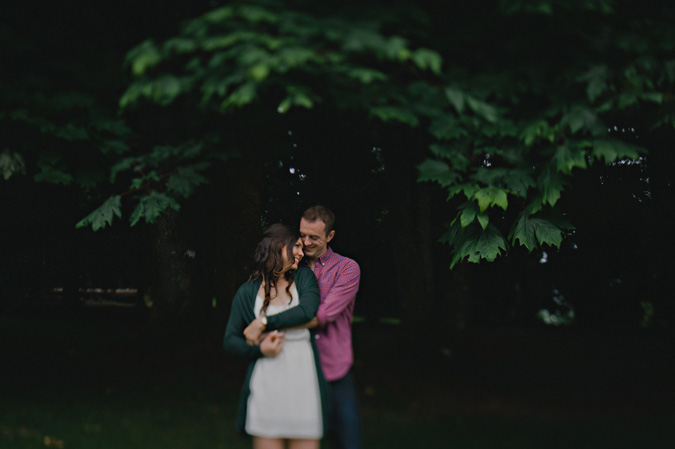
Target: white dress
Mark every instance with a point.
(284, 400)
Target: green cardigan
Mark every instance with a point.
(242, 314)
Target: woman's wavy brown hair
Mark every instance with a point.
(268, 263)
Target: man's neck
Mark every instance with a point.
(312, 260)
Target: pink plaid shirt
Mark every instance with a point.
(338, 278)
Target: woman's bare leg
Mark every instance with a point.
(303, 444)
(267, 443)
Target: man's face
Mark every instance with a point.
(313, 235)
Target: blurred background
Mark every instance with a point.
(501, 171)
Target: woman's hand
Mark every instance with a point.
(272, 344)
(254, 331)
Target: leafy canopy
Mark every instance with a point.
(515, 98)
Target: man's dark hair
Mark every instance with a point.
(320, 213)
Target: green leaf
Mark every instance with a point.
(489, 175)
(483, 220)
(72, 132)
(611, 150)
(536, 204)
(297, 96)
(469, 189)
(491, 196)
(395, 113)
(627, 99)
(89, 178)
(366, 75)
(670, 70)
(53, 175)
(468, 214)
(550, 185)
(490, 244)
(579, 118)
(474, 243)
(242, 96)
(456, 98)
(547, 233)
(137, 183)
(437, 171)
(524, 233)
(123, 165)
(395, 48)
(482, 109)
(567, 158)
(596, 78)
(655, 97)
(536, 130)
(114, 146)
(151, 207)
(11, 163)
(531, 232)
(103, 215)
(165, 89)
(143, 57)
(518, 181)
(220, 42)
(257, 14)
(180, 45)
(219, 15)
(453, 153)
(186, 180)
(291, 57)
(427, 59)
(447, 128)
(259, 72)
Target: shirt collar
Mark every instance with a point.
(322, 260)
(326, 256)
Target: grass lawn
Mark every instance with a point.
(98, 379)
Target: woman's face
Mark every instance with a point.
(297, 255)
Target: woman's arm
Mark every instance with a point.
(308, 290)
(309, 325)
(301, 315)
(240, 316)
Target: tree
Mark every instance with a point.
(512, 101)
(60, 84)
(498, 103)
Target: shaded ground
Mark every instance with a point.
(98, 377)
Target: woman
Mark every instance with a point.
(283, 399)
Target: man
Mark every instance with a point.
(338, 278)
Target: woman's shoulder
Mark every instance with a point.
(305, 278)
(304, 273)
(248, 288)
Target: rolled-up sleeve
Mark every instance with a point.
(342, 293)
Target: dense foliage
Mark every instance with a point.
(508, 100)
(514, 102)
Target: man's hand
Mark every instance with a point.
(254, 331)
(272, 344)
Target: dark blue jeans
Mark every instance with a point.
(345, 429)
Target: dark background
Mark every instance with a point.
(482, 347)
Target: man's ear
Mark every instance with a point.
(330, 236)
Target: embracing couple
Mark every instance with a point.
(292, 319)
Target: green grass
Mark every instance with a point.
(93, 380)
(122, 422)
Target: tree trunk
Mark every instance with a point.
(411, 252)
(238, 230)
(170, 292)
